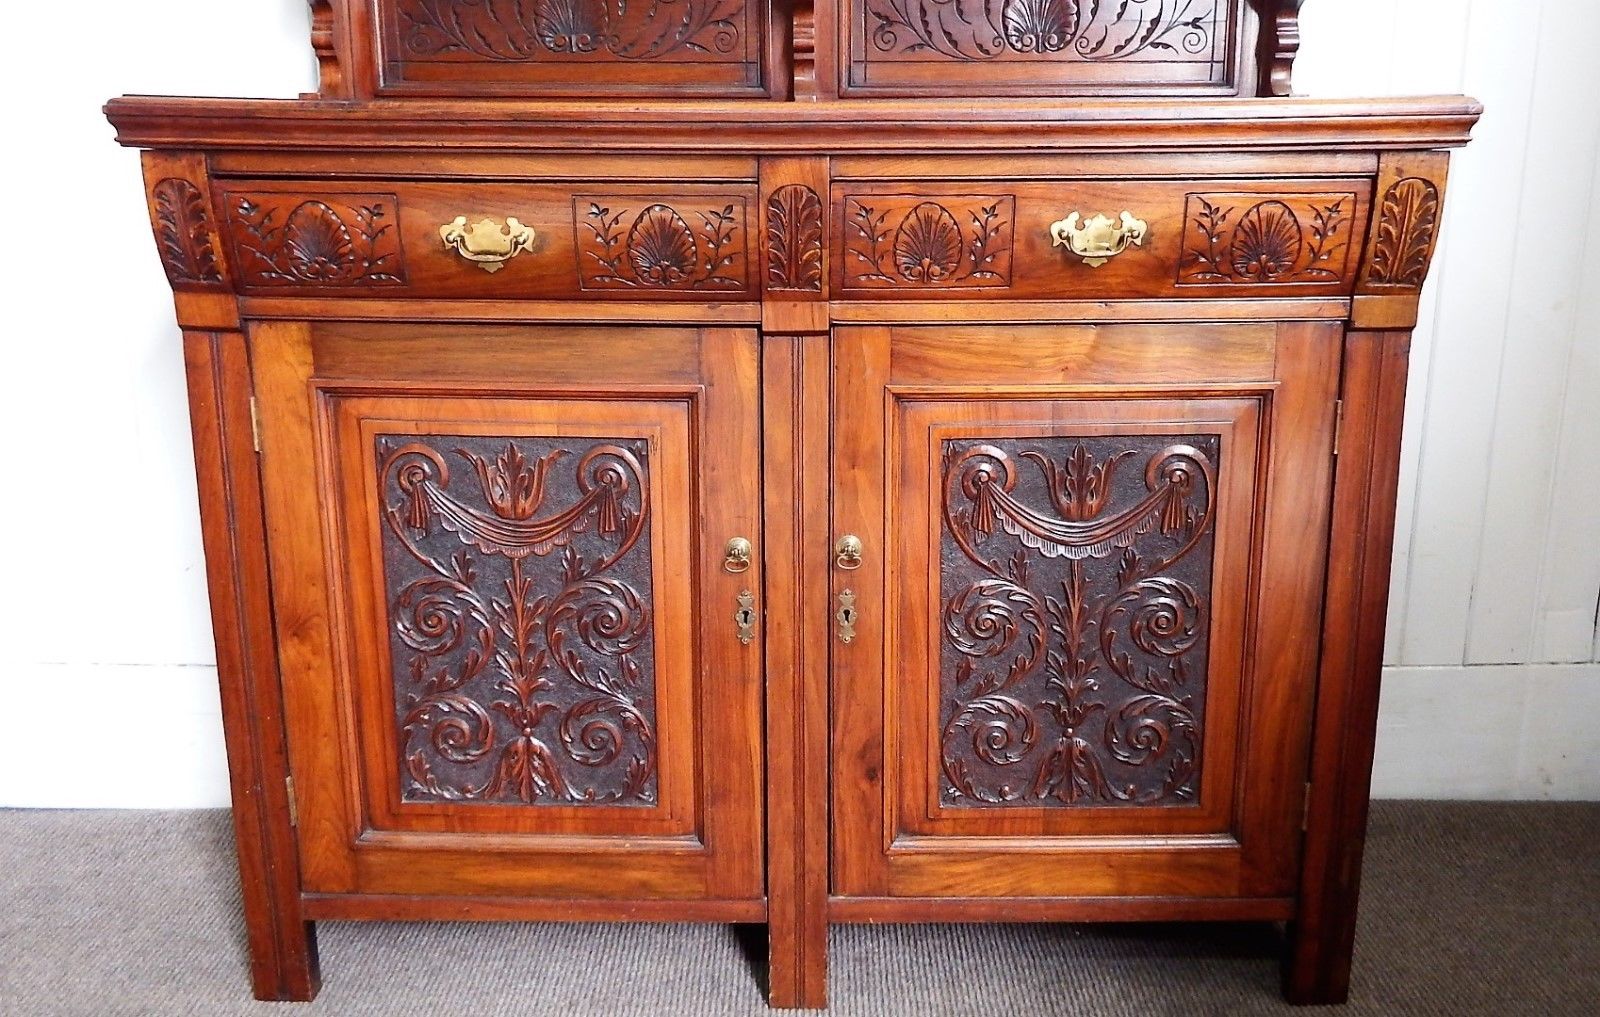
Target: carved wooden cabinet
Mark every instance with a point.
(716, 461)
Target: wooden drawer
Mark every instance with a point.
(977, 239)
(669, 240)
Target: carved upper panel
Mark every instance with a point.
(517, 574)
(572, 46)
(1028, 46)
(1075, 583)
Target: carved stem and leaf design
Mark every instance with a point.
(289, 240)
(519, 31)
(183, 232)
(1407, 227)
(794, 239)
(1089, 30)
(657, 248)
(1075, 578)
(1244, 239)
(898, 241)
(520, 618)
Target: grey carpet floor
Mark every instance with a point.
(1469, 909)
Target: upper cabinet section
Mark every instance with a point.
(566, 48)
(983, 48)
(758, 49)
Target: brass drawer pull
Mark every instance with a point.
(1100, 239)
(486, 243)
(737, 556)
(847, 553)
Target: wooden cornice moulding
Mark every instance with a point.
(842, 126)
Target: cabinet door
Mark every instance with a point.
(1086, 613)
(511, 658)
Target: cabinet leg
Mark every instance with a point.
(797, 965)
(1316, 964)
(283, 962)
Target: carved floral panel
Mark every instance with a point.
(574, 31)
(899, 241)
(1255, 239)
(1185, 40)
(183, 232)
(334, 241)
(1075, 591)
(696, 244)
(517, 574)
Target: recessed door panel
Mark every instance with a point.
(491, 631)
(1086, 634)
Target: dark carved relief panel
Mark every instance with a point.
(1035, 30)
(524, 31)
(894, 241)
(1251, 239)
(794, 239)
(517, 575)
(183, 232)
(692, 244)
(1075, 590)
(340, 241)
(1408, 225)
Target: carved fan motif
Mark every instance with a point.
(927, 246)
(1075, 575)
(1267, 244)
(661, 246)
(520, 618)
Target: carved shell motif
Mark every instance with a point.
(661, 247)
(318, 243)
(927, 246)
(1267, 243)
(1039, 26)
(569, 26)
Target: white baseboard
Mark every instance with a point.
(150, 737)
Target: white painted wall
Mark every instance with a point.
(109, 683)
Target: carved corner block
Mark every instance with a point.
(185, 225)
(1407, 214)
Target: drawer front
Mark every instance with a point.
(593, 241)
(1098, 239)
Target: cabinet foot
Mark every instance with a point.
(287, 970)
(797, 967)
(1316, 967)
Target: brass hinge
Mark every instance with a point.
(255, 424)
(294, 807)
(1305, 810)
(1338, 424)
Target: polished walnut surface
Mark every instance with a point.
(962, 493)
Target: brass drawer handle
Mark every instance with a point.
(736, 556)
(1100, 239)
(847, 553)
(486, 243)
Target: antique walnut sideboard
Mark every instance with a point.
(879, 461)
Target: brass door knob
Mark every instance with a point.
(847, 553)
(1099, 239)
(486, 243)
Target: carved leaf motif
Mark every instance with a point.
(183, 231)
(1267, 243)
(927, 246)
(794, 239)
(1404, 244)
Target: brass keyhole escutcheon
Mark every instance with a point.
(744, 619)
(737, 555)
(847, 553)
(847, 616)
